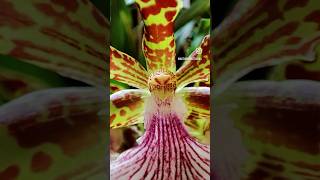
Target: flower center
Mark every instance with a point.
(162, 84)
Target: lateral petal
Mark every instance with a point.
(126, 69)
(56, 132)
(127, 107)
(197, 69)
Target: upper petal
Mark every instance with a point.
(158, 39)
(67, 37)
(261, 33)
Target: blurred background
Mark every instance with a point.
(53, 89)
(266, 121)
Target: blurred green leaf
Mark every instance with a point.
(122, 33)
(196, 9)
(182, 35)
(199, 32)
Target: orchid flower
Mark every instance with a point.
(166, 150)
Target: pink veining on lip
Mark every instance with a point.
(166, 151)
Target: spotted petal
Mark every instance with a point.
(126, 69)
(197, 69)
(67, 37)
(53, 133)
(298, 70)
(127, 107)
(260, 33)
(197, 100)
(277, 125)
(158, 39)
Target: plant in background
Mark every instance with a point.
(267, 127)
(52, 80)
(166, 149)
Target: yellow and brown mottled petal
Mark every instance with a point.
(261, 33)
(53, 133)
(197, 69)
(298, 70)
(67, 37)
(158, 39)
(202, 84)
(197, 100)
(126, 69)
(127, 107)
(277, 125)
(115, 88)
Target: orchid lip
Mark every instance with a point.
(165, 151)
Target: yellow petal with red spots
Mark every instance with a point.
(197, 67)
(127, 107)
(67, 37)
(54, 133)
(126, 69)
(158, 39)
(197, 100)
(264, 33)
(270, 123)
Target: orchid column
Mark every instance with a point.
(166, 150)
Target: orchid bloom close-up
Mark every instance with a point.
(162, 102)
(53, 75)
